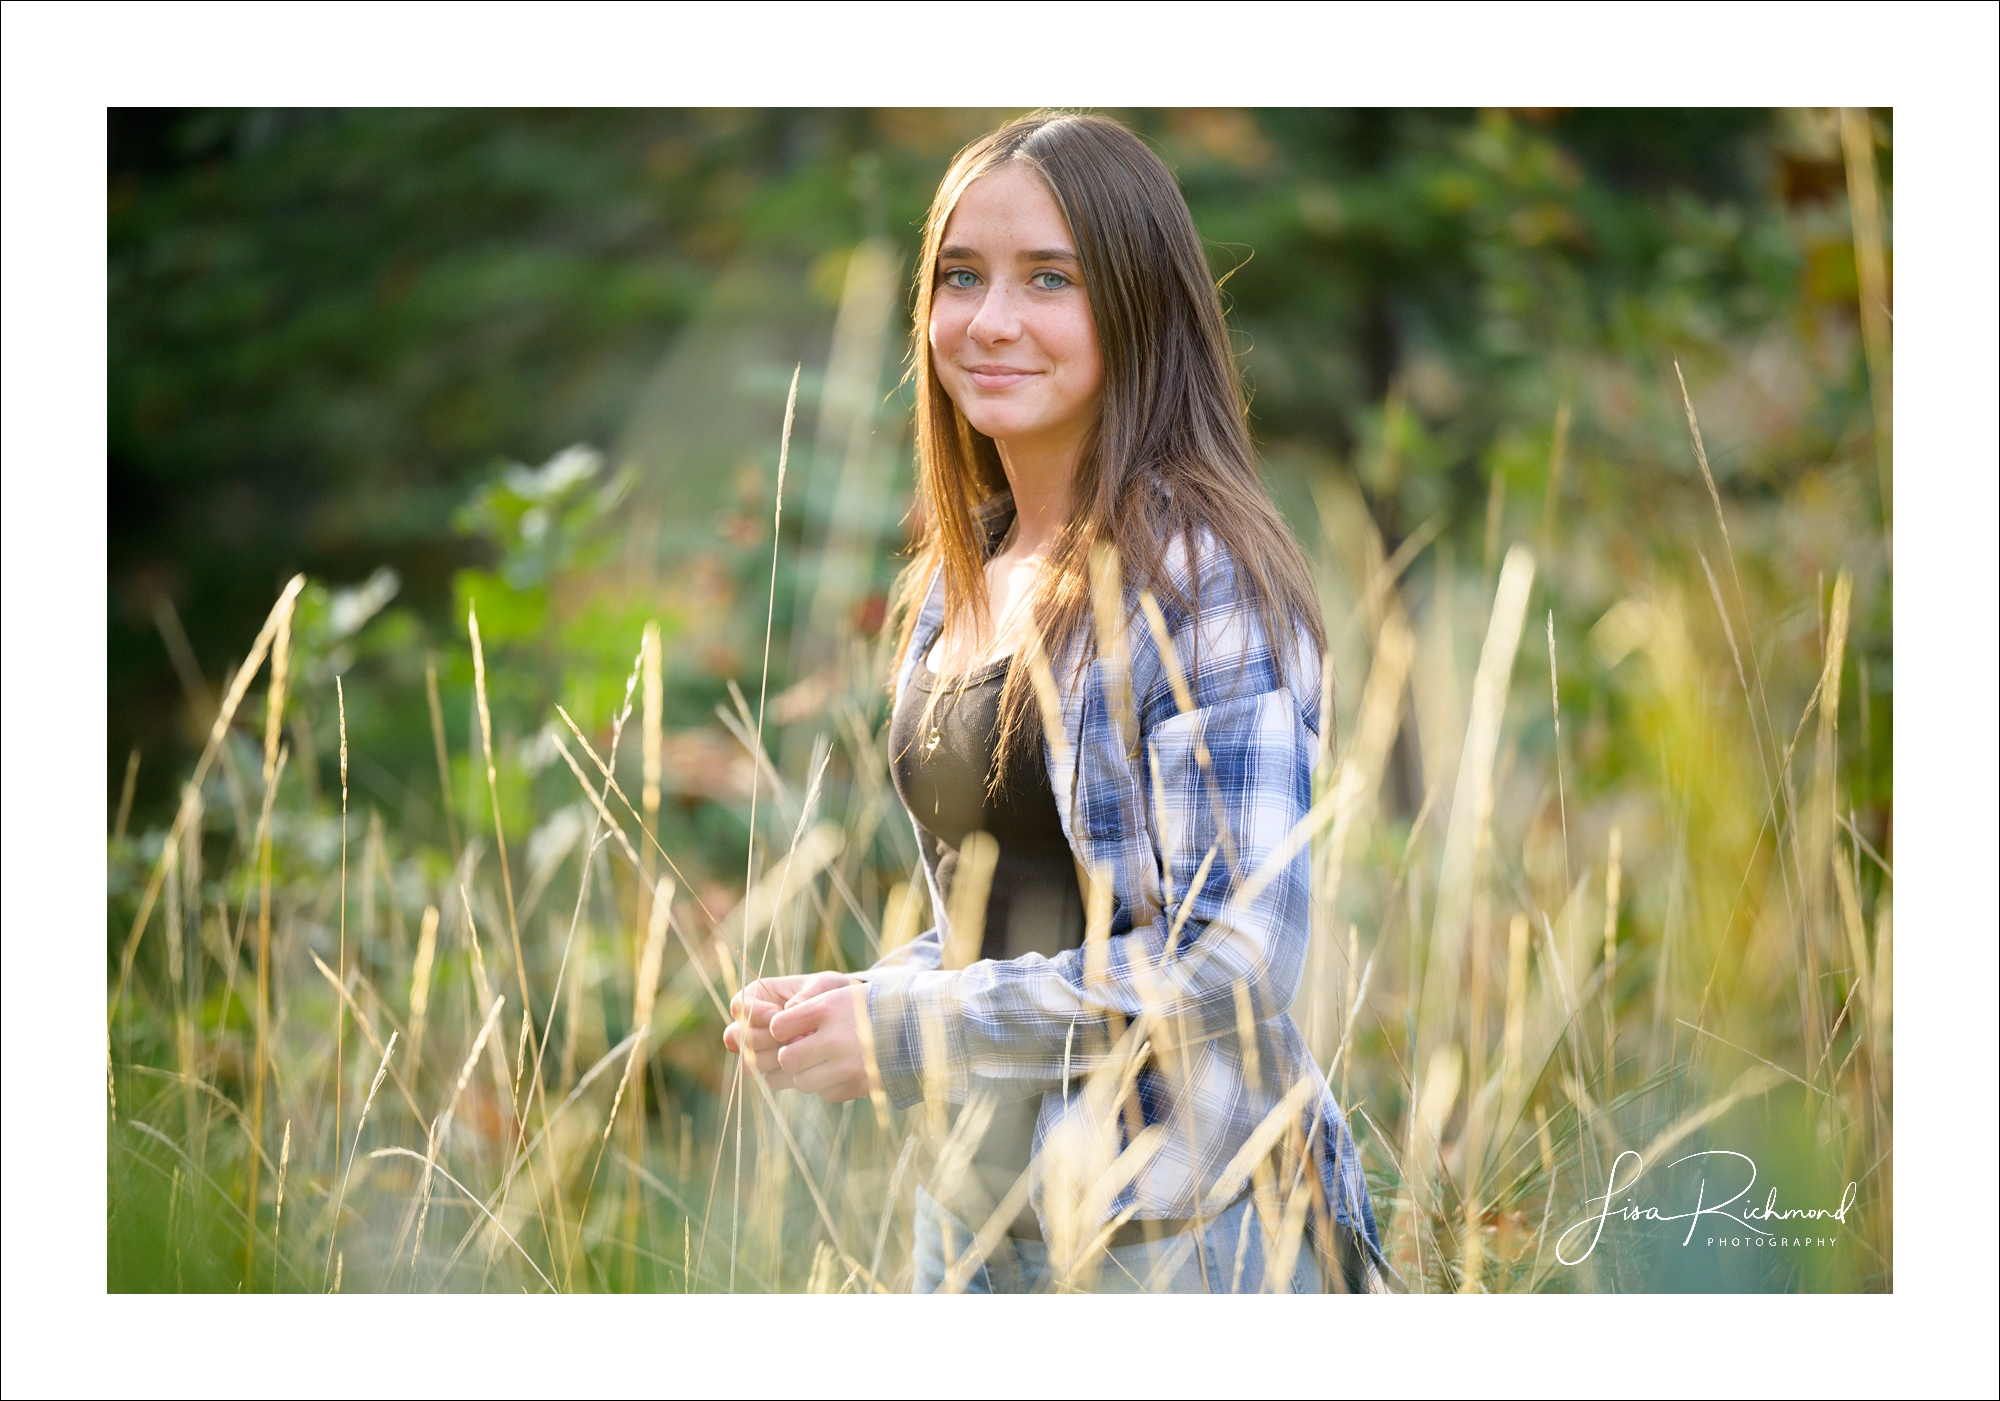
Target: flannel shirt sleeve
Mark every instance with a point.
(922, 953)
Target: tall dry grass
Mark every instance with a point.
(1524, 963)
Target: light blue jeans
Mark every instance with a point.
(1232, 1242)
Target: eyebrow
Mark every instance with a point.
(1032, 255)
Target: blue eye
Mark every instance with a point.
(1049, 281)
(960, 278)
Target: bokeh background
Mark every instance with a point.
(537, 362)
(329, 328)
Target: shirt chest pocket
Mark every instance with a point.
(1109, 809)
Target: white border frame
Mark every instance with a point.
(63, 65)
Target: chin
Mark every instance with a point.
(1003, 426)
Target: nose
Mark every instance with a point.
(998, 320)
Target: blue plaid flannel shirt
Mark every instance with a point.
(1011, 1028)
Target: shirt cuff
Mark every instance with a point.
(897, 1007)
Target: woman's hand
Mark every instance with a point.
(752, 1031)
(749, 1029)
(818, 1035)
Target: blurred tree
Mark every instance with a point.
(328, 329)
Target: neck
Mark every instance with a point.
(1041, 475)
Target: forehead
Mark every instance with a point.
(1007, 210)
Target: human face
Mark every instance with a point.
(1012, 340)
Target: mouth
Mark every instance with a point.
(991, 377)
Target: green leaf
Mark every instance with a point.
(505, 612)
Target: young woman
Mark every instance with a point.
(1106, 716)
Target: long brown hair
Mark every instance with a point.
(1170, 456)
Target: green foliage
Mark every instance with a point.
(546, 519)
(327, 328)
(506, 613)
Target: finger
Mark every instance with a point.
(759, 1011)
(815, 985)
(767, 1062)
(803, 1054)
(830, 1080)
(776, 991)
(737, 1038)
(804, 1018)
(793, 1022)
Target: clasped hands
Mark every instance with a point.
(802, 1032)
